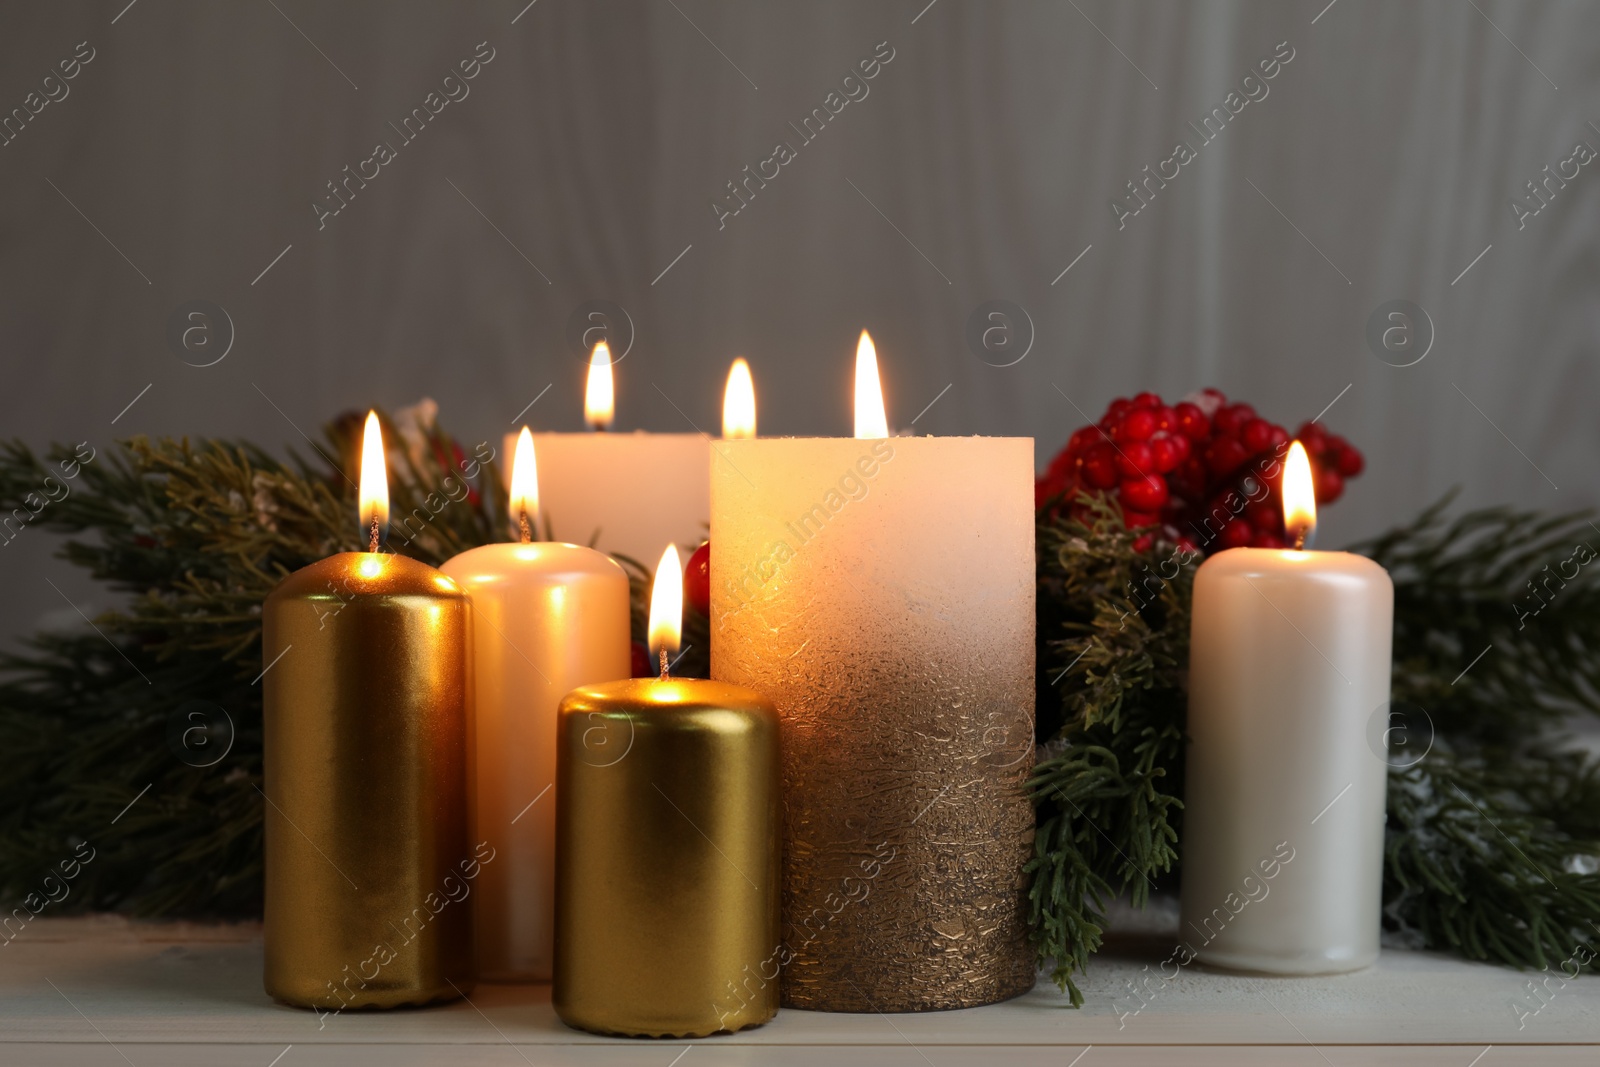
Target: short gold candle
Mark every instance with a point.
(666, 858)
(369, 867)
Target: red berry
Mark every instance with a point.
(1264, 515)
(1256, 436)
(1192, 422)
(697, 580)
(1280, 436)
(1224, 455)
(1143, 542)
(1164, 453)
(1330, 485)
(1180, 444)
(1188, 547)
(1118, 408)
(1137, 425)
(1237, 534)
(1136, 460)
(1350, 462)
(1269, 540)
(1214, 395)
(1100, 467)
(1147, 400)
(1314, 437)
(1138, 520)
(1231, 419)
(1144, 494)
(1083, 438)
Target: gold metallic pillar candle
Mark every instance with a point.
(369, 867)
(666, 852)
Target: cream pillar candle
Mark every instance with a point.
(629, 492)
(881, 593)
(1284, 802)
(547, 618)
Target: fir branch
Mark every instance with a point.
(1486, 656)
(1494, 858)
(1114, 639)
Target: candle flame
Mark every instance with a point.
(599, 398)
(1299, 496)
(666, 606)
(739, 402)
(870, 418)
(524, 505)
(374, 490)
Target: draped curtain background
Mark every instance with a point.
(982, 161)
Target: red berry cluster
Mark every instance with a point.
(1173, 466)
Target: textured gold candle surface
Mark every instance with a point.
(881, 592)
(369, 868)
(667, 858)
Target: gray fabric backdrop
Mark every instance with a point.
(587, 154)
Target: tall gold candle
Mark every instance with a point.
(369, 867)
(666, 850)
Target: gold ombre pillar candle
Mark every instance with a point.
(881, 591)
(667, 849)
(547, 618)
(369, 867)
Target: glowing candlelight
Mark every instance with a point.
(739, 403)
(1299, 497)
(599, 398)
(524, 505)
(666, 607)
(870, 418)
(374, 490)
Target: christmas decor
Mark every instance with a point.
(1179, 470)
(191, 537)
(1493, 842)
(1493, 836)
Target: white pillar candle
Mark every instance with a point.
(547, 618)
(1285, 797)
(881, 593)
(630, 493)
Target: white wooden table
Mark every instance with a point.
(106, 991)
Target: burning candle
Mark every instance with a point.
(1283, 828)
(739, 403)
(667, 848)
(547, 618)
(627, 493)
(881, 591)
(368, 861)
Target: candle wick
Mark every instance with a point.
(372, 540)
(663, 664)
(527, 530)
(1300, 538)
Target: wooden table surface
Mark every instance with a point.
(104, 990)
